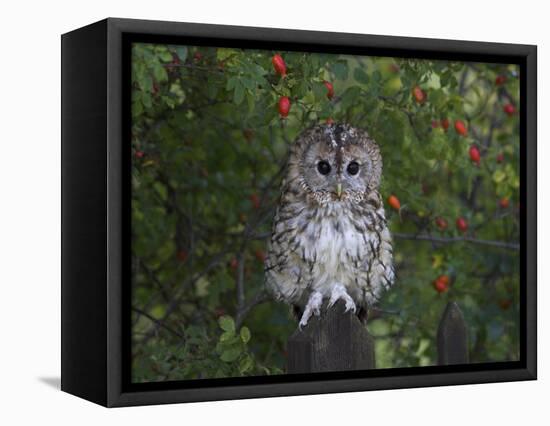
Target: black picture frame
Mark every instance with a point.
(95, 221)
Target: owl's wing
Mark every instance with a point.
(287, 269)
(372, 266)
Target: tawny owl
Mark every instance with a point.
(330, 240)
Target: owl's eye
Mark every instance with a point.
(353, 168)
(323, 167)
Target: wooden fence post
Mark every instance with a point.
(452, 337)
(334, 341)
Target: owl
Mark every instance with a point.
(330, 239)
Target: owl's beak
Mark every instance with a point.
(339, 190)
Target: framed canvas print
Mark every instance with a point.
(253, 212)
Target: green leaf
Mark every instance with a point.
(361, 76)
(160, 73)
(499, 176)
(181, 51)
(245, 364)
(222, 54)
(245, 334)
(227, 323)
(231, 354)
(231, 82)
(340, 70)
(165, 56)
(238, 95)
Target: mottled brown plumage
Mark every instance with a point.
(329, 237)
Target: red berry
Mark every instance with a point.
(504, 203)
(255, 200)
(444, 279)
(500, 80)
(248, 134)
(393, 201)
(419, 94)
(394, 68)
(505, 304)
(509, 109)
(474, 154)
(330, 89)
(461, 224)
(139, 154)
(460, 128)
(441, 223)
(279, 64)
(329, 120)
(284, 106)
(500, 157)
(260, 255)
(175, 59)
(445, 123)
(218, 312)
(182, 255)
(441, 283)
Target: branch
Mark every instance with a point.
(259, 298)
(499, 244)
(158, 322)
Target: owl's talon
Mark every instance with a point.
(339, 293)
(350, 306)
(313, 307)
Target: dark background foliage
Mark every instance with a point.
(208, 147)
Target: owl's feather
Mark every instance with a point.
(325, 246)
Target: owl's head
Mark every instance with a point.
(337, 162)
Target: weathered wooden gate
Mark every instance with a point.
(337, 341)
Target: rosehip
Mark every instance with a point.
(219, 312)
(279, 64)
(509, 109)
(260, 255)
(435, 124)
(444, 279)
(394, 68)
(139, 154)
(248, 134)
(460, 128)
(330, 89)
(182, 255)
(474, 154)
(505, 304)
(500, 80)
(441, 223)
(441, 283)
(233, 263)
(461, 224)
(419, 94)
(504, 203)
(445, 123)
(284, 106)
(500, 157)
(175, 59)
(393, 201)
(255, 200)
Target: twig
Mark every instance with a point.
(258, 299)
(158, 322)
(442, 240)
